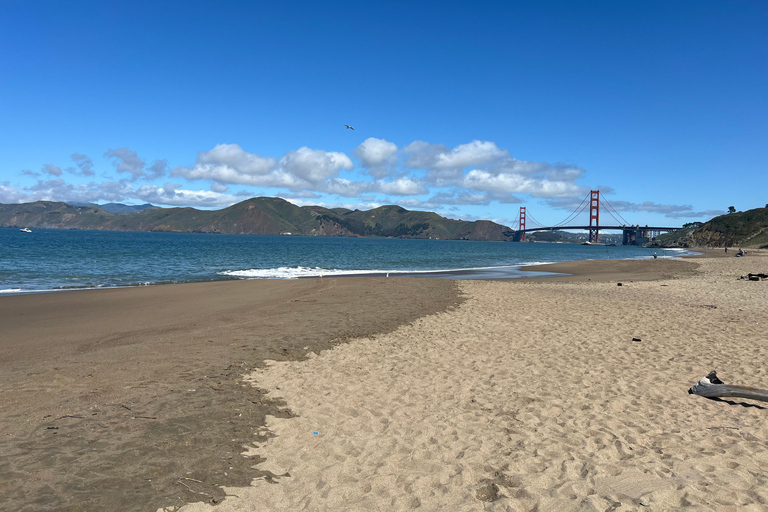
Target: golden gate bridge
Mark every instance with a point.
(591, 205)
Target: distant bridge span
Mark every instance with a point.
(632, 234)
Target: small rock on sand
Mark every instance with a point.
(487, 492)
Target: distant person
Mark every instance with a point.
(726, 250)
(655, 256)
(740, 253)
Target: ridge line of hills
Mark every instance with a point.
(255, 216)
(274, 216)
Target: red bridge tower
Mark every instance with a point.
(594, 215)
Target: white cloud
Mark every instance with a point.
(234, 157)
(401, 187)
(418, 203)
(423, 155)
(470, 155)
(59, 190)
(472, 174)
(367, 205)
(344, 187)
(516, 183)
(473, 198)
(438, 157)
(52, 170)
(377, 155)
(12, 195)
(172, 194)
(673, 211)
(314, 165)
(224, 174)
(706, 214)
(669, 210)
(158, 169)
(126, 160)
(297, 170)
(84, 164)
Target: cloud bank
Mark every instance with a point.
(417, 175)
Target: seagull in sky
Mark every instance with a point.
(349, 127)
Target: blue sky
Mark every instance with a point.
(469, 109)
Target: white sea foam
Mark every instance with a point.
(294, 272)
(297, 272)
(12, 290)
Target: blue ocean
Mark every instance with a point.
(48, 259)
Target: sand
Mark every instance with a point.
(115, 399)
(531, 395)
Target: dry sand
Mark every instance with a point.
(532, 395)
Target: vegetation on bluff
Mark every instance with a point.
(739, 229)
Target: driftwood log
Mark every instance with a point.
(712, 387)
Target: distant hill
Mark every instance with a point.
(256, 216)
(741, 229)
(571, 237)
(117, 207)
(124, 208)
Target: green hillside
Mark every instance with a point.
(741, 229)
(259, 216)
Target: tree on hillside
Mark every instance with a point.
(731, 209)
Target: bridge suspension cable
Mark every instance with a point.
(579, 209)
(536, 223)
(613, 216)
(515, 223)
(610, 206)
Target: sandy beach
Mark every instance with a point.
(110, 398)
(532, 395)
(391, 394)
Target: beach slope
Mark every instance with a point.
(531, 395)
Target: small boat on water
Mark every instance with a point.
(586, 243)
(25, 230)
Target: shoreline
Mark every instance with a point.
(544, 270)
(628, 270)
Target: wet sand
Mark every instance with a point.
(616, 270)
(124, 399)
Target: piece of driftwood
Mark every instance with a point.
(712, 387)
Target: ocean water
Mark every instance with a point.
(48, 259)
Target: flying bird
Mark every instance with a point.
(349, 127)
